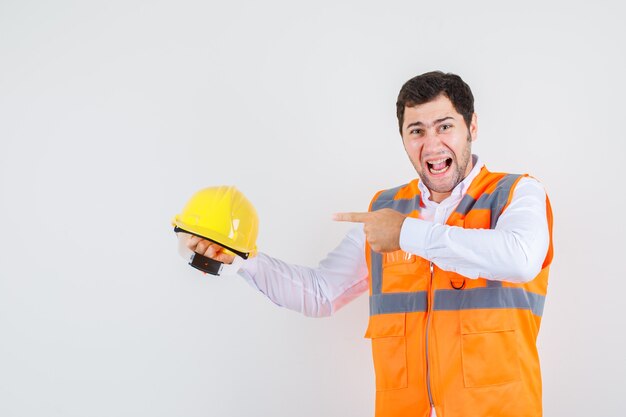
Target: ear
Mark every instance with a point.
(473, 127)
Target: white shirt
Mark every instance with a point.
(513, 251)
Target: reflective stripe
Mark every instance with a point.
(492, 284)
(398, 302)
(465, 205)
(494, 201)
(404, 206)
(475, 298)
(454, 300)
(537, 301)
(377, 272)
(388, 194)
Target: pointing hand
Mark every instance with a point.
(381, 227)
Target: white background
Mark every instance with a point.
(113, 113)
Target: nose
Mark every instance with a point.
(432, 144)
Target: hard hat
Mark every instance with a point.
(224, 216)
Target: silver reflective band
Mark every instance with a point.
(404, 206)
(398, 302)
(376, 260)
(454, 300)
(493, 297)
(494, 201)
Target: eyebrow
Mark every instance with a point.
(435, 122)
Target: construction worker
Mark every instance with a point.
(456, 264)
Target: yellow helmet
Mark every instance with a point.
(224, 216)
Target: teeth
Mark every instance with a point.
(438, 171)
(438, 161)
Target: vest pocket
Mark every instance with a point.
(489, 355)
(387, 332)
(400, 272)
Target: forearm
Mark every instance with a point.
(514, 251)
(315, 292)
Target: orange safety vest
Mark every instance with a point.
(465, 346)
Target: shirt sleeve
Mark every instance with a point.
(513, 251)
(317, 292)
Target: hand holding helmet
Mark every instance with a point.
(217, 224)
(209, 249)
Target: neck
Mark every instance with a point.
(438, 197)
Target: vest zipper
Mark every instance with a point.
(428, 320)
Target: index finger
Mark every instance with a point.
(351, 217)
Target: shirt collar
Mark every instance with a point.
(460, 189)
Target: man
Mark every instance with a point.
(456, 264)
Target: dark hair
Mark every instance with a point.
(428, 86)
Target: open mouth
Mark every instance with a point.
(439, 166)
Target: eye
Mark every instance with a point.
(445, 127)
(415, 131)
